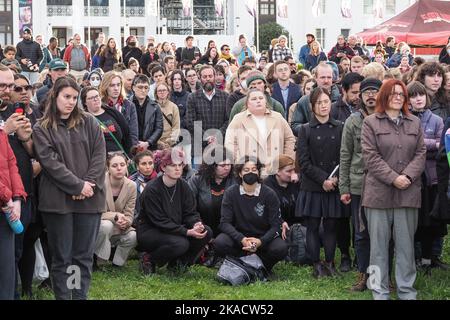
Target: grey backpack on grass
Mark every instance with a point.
(296, 240)
(242, 271)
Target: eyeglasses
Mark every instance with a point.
(96, 97)
(19, 89)
(399, 95)
(162, 90)
(226, 49)
(370, 92)
(10, 86)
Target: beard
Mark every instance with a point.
(208, 86)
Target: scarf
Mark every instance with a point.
(418, 114)
(118, 106)
(142, 180)
(227, 57)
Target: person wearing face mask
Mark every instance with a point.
(95, 78)
(131, 50)
(429, 229)
(251, 219)
(318, 148)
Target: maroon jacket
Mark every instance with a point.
(10, 181)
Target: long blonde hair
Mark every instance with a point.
(106, 82)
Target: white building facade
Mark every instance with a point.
(326, 21)
(163, 19)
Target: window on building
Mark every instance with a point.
(368, 6)
(345, 33)
(61, 35)
(322, 6)
(59, 2)
(134, 3)
(390, 7)
(320, 37)
(97, 3)
(267, 7)
(5, 5)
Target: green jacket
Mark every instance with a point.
(239, 107)
(351, 165)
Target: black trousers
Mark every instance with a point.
(329, 238)
(164, 248)
(270, 254)
(7, 261)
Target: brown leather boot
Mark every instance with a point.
(361, 283)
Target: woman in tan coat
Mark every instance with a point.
(394, 156)
(261, 133)
(171, 117)
(115, 227)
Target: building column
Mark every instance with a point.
(114, 15)
(77, 15)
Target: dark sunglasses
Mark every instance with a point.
(20, 89)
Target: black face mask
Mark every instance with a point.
(250, 178)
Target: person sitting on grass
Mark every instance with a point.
(209, 185)
(115, 226)
(169, 229)
(251, 219)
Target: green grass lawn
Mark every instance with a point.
(290, 283)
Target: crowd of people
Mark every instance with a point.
(187, 158)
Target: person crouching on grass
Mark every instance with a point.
(115, 226)
(251, 219)
(169, 228)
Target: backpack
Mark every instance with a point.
(242, 271)
(296, 240)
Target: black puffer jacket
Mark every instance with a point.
(29, 49)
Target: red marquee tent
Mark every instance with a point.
(424, 24)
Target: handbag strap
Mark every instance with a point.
(103, 126)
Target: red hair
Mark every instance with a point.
(169, 156)
(385, 95)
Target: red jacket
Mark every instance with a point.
(87, 55)
(10, 181)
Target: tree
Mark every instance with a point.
(269, 31)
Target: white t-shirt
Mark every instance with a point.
(261, 124)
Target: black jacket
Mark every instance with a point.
(146, 60)
(442, 212)
(153, 122)
(180, 99)
(319, 154)
(157, 211)
(232, 99)
(444, 57)
(247, 216)
(120, 119)
(108, 60)
(131, 52)
(341, 111)
(287, 197)
(29, 49)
